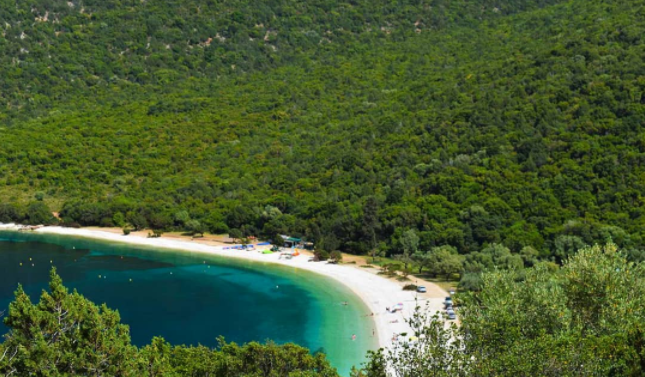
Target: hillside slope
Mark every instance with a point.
(514, 122)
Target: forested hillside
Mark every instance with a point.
(472, 122)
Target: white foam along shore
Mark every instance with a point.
(377, 292)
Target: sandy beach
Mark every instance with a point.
(376, 291)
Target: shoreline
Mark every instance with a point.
(375, 291)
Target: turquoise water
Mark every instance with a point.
(192, 298)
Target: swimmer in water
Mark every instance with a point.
(353, 336)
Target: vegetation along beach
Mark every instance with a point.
(276, 188)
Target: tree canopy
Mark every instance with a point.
(512, 122)
(586, 318)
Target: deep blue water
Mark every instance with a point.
(192, 298)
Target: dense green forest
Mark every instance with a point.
(479, 124)
(586, 318)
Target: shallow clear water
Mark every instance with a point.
(192, 298)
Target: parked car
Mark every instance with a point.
(447, 301)
(451, 315)
(421, 289)
(448, 308)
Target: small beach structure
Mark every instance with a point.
(290, 242)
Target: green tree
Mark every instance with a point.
(443, 260)
(65, 334)
(583, 319)
(566, 246)
(371, 221)
(410, 244)
(137, 220)
(10, 212)
(379, 251)
(216, 223)
(433, 352)
(529, 256)
(118, 219)
(39, 213)
(277, 240)
(181, 217)
(235, 234)
(195, 227)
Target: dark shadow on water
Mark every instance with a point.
(320, 350)
(122, 263)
